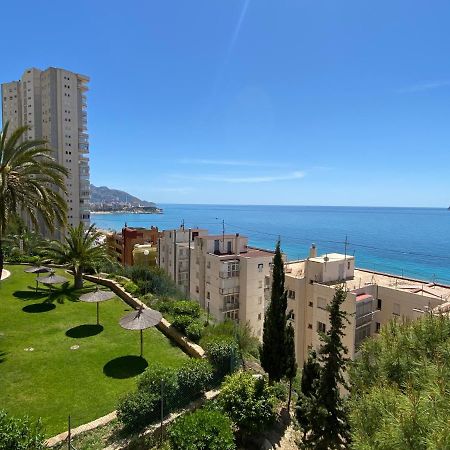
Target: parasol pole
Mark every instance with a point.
(142, 343)
(98, 323)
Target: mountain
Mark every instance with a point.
(103, 194)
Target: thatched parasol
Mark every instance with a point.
(140, 320)
(52, 279)
(38, 270)
(97, 297)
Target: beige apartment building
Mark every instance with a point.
(229, 278)
(373, 299)
(174, 254)
(52, 103)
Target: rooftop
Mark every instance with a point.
(330, 257)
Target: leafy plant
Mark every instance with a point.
(222, 352)
(182, 322)
(186, 307)
(202, 429)
(194, 377)
(248, 401)
(20, 433)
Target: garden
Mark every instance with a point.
(56, 361)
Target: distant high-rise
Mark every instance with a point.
(52, 103)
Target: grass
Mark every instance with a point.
(53, 380)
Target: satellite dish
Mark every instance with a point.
(146, 252)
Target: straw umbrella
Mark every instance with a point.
(97, 297)
(140, 320)
(52, 279)
(38, 270)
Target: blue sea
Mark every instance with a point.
(414, 242)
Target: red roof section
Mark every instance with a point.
(363, 297)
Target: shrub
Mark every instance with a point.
(222, 352)
(280, 390)
(202, 429)
(186, 307)
(138, 409)
(182, 322)
(194, 331)
(131, 288)
(20, 433)
(248, 401)
(194, 377)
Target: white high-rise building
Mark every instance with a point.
(52, 103)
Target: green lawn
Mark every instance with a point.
(53, 381)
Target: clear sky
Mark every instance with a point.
(317, 102)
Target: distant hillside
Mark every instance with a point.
(103, 194)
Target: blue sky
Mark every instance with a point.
(254, 101)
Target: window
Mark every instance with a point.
(197, 289)
(208, 295)
(208, 264)
(260, 267)
(259, 316)
(291, 315)
(310, 326)
(291, 294)
(260, 284)
(310, 304)
(396, 311)
(377, 327)
(321, 303)
(216, 246)
(259, 300)
(229, 247)
(348, 265)
(321, 327)
(379, 304)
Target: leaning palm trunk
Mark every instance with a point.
(2, 258)
(78, 278)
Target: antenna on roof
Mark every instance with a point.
(345, 247)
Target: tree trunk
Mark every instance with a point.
(289, 396)
(78, 277)
(2, 258)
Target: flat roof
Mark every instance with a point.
(331, 257)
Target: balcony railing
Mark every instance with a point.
(229, 307)
(229, 291)
(232, 274)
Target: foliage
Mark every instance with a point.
(178, 387)
(248, 401)
(194, 377)
(222, 352)
(273, 350)
(20, 433)
(194, 331)
(202, 429)
(400, 387)
(186, 307)
(182, 322)
(291, 361)
(28, 177)
(131, 287)
(79, 251)
(324, 413)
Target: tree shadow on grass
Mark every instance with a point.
(82, 331)
(30, 295)
(38, 307)
(2, 357)
(125, 367)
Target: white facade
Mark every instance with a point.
(52, 103)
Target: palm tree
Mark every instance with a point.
(31, 182)
(79, 251)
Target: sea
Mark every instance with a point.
(411, 242)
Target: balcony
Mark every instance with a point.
(229, 307)
(226, 275)
(229, 291)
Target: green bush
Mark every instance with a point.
(143, 407)
(187, 308)
(280, 390)
(182, 322)
(202, 429)
(194, 331)
(194, 377)
(248, 401)
(222, 352)
(131, 288)
(138, 409)
(20, 433)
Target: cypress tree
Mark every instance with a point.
(291, 363)
(273, 350)
(328, 417)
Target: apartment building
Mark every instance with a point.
(373, 299)
(52, 103)
(121, 245)
(230, 279)
(174, 254)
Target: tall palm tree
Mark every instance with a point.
(31, 182)
(80, 250)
